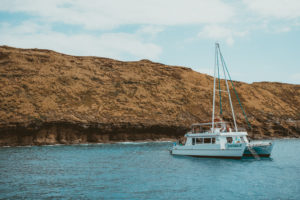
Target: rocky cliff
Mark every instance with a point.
(47, 97)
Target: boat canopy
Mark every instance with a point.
(206, 127)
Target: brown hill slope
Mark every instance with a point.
(48, 97)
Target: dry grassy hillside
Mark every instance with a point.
(48, 97)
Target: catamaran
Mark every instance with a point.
(216, 138)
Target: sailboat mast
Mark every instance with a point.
(229, 96)
(214, 95)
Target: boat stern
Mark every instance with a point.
(262, 149)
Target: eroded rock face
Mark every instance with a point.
(67, 133)
(48, 98)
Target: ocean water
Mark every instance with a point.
(145, 171)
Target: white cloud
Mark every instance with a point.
(107, 14)
(273, 16)
(24, 28)
(288, 9)
(282, 29)
(218, 32)
(150, 29)
(151, 16)
(115, 45)
(221, 21)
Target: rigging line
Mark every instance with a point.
(237, 96)
(219, 84)
(229, 96)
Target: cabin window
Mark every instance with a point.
(199, 140)
(213, 140)
(237, 139)
(229, 140)
(207, 140)
(242, 139)
(193, 141)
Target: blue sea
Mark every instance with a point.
(145, 171)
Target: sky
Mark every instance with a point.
(259, 39)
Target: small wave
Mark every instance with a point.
(166, 141)
(24, 146)
(143, 142)
(87, 144)
(131, 142)
(53, 145)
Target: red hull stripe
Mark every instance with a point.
(227, 157)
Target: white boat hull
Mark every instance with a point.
(212, 151)
(262, 149)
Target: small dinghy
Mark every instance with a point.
(217, 139)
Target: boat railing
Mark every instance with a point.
(217, 130)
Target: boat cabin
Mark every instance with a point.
(222, 134)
